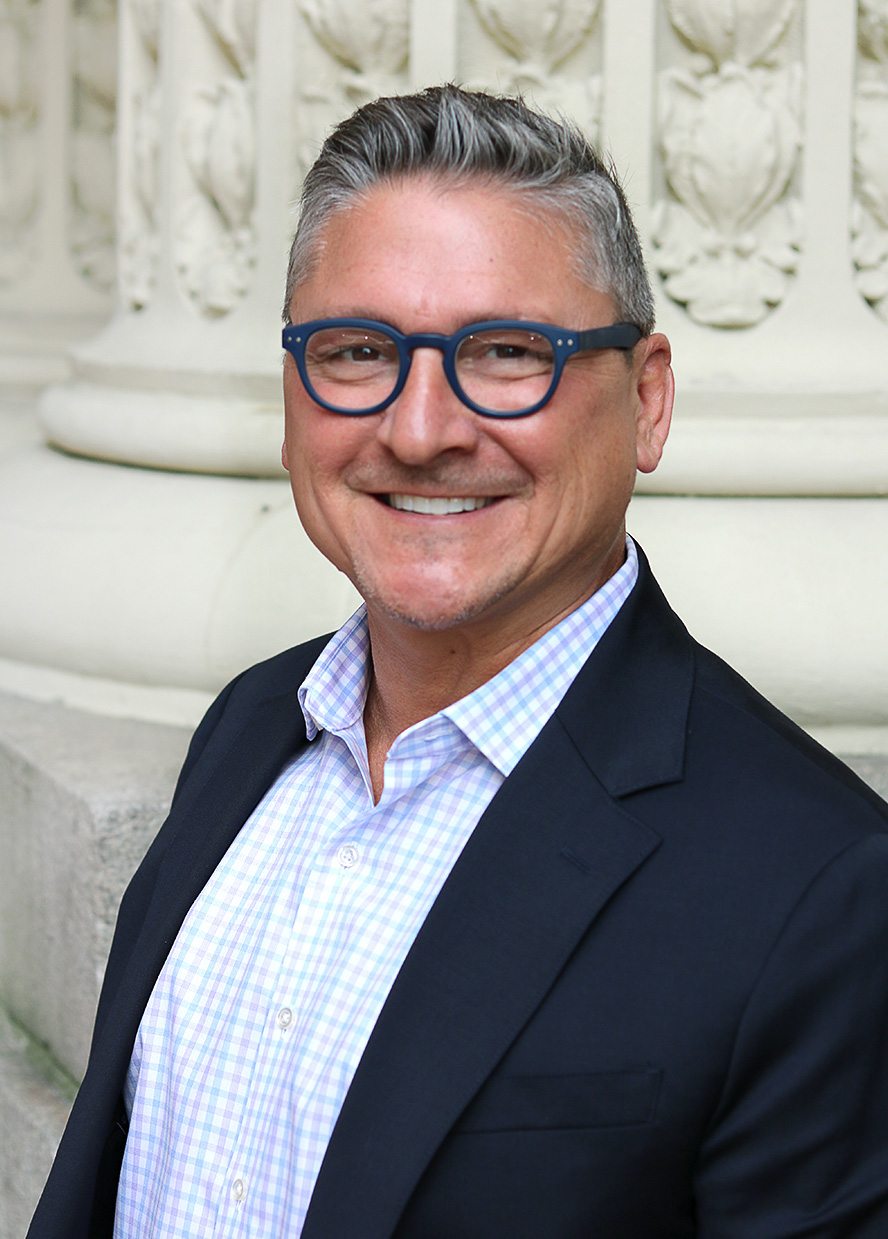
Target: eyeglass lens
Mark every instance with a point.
(354, 368)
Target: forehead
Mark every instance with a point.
(423, 250)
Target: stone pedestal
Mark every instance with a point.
(82, 796)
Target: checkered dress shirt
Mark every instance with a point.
(262, 1011)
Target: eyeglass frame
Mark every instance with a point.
(564, 344)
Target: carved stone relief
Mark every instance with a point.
(539, 48)
(727, 231)
(869, 224)
(363, 46)
(93, 188)
(139, 245)
(19, 117)
(538, 51)
(215, 229)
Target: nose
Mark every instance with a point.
(428, 418)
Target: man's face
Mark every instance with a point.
(553, 487)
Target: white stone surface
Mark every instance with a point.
(155, 578)
(792, 592)
(35, 1097)
(82, 798)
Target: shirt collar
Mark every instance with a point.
(501, 718)
(333, 693)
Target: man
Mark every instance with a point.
(509, 911)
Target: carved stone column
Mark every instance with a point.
(751, 138)
(152, 548)
(186, 375)
(768, 517)
(57, 82)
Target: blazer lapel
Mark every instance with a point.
(552, 848)
(532, 877)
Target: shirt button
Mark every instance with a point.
(238, 1189)
(347, 855)
(285, 1017)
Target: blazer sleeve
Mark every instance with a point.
(798, 1144)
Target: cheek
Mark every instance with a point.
(597, 469)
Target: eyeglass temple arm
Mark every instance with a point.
(622, 335)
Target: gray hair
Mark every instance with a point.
(461, 137)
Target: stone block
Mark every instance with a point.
(35, 1097)
(82, 796)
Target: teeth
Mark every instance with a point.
(429, 506)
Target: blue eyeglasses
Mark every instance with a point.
(500, 368)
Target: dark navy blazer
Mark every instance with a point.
(650, 1001)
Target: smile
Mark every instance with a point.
(436, 506)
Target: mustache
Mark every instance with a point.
(453, 478)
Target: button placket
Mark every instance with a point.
(347, 856)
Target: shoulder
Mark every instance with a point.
(727, 782)
(759, 751)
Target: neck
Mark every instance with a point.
(416, 672)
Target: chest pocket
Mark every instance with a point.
(565, 1102)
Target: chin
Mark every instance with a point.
(420, 609)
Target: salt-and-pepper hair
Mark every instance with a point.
(459, 137)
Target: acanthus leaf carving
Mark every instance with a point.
(233, 23)
(215, 244)
(18, 93)
(871, 148)
(93, 195)
(219, 142)
(744, 31)
(146, 19)
(139, 249)
(369, 38)
(540, 34)
(95, 56)
(869, 225)
(19, 195)
(869, 250)
(213, 261)
(93, 177)
(138, 246)
(146, 148)
(873, 28)
(730, 145)
(19, 159)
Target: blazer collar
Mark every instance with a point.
(553, 847)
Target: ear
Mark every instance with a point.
(284, 460)
(655, 390)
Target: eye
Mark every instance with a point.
(360, 352)
(506, 354)
(339, 351)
